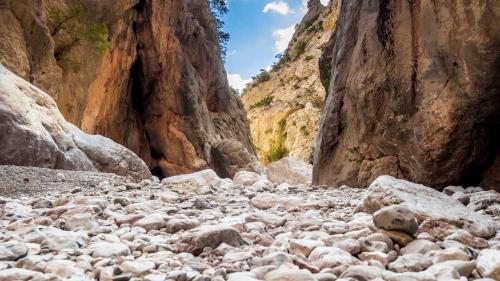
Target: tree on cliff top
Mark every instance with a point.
(219, 9)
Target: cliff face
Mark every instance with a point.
(414, 93)
(289, 123)
(156, 84)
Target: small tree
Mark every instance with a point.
(219, 9)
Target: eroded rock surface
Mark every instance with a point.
(34, 133)
(413, 94)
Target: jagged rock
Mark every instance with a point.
(396, 217)
(425, 203)
(49, 141)
(396, 105)
(160, 90)
(289, 170)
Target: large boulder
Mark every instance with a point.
(289, 170)
(230, 157)
(34, 133)
(413, 94)
(425, 203)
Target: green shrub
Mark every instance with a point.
(318, 102)
(267, 100)
(277, 149)
(308, 58)
(263, 76)
(304, 130)
(355, 155)
(300, 48)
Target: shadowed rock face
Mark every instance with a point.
(161, 90)
(414, 94)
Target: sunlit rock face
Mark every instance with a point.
(414, 93)
(159, 88)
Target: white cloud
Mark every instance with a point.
(325, 2)
(237, 82)
(279, 7)
(283, 37)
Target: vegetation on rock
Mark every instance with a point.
(219, 9)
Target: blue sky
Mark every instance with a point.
(259, 29)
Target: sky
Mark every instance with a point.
(259, 30)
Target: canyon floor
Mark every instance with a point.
(66, 225)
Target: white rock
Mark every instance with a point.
(137, 267)
(419, 246)
(109, 250)
(410, 263)
(288, 274)
(203, 178)
(289, 170)
(246, 178)
(488, 263)
(329, 257)
(425, 202)
(265, 217)
(304, 246)
(153, 221)
(211, 236)
(268, 200)
(18, 274)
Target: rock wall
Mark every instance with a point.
(414, 93)
(296, 89)
(159, 87)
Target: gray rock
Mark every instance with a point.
(410, 263)
(209, 236)
(12, 251)
(396, 217)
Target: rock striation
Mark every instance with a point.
(290, 121)
(413, 94)
(146, 73)
(33, 133)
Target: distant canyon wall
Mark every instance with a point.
(414, 93)
(155, 84)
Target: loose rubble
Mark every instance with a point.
(200, 227)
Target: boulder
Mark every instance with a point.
(209, 236)
(289, 170)
(34, 133)
(396, 218)
(203, 178)
(231, 156)
(425, 203)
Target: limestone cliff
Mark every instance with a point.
(146, 73)
(414, 93)
(284, 104)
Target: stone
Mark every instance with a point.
(419, 246)
(425, 203)
(267, 218)
(209, 236)
(137, 267)
(276, 259)
(203, 178)
(399, 237)
(65, 269)
(289, 170)
(22, 275)
(488, 263)
(328, 257)
(268, 200)
(49, 141)
(285, 274)
(464, 268)
(349, 245)
(175, 225)
(412, 262)
(109, 250)
(303, 246)
(362, 272)
(12, 251)
(383, 258)
(437, 139)
(55, 239)
(438, 256)
(82, 221)
(396, 217)
(483, 199)
(246, 178)
(152, 221)
(231, 157)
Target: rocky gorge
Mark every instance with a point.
(125, 155)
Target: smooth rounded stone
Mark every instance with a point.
(175, 225)
(83, 221)
(349, 245)
(169, 196)
(203, 178)
(374, 246)
(473, 253)
(383, 258)
(246, 178)
(128, 219)
(419, 246)
(109, 250)
(468, 239)
(241, 276)
(328, 257)
(255, 226)
(447, 254)
(399, 237)
(488, 263)
(336, 227)
(137, 267)
(276, 258)
(261, 271)
(325, 276)
(35, 262)
(56, 239)
(362, 272)
(156, 277)
(360, 221)
(464, 268)
(303, 246)
(289, 170)
(65, 269)
(356, 234)
(396, 217)
(195, 240)
(268, 200)
(377, 236)
(236, 256)
(41, 203)
(12, 251)
(154, 221)
(288, 274)
(265, 217)
(413, 262)
(19, 274)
